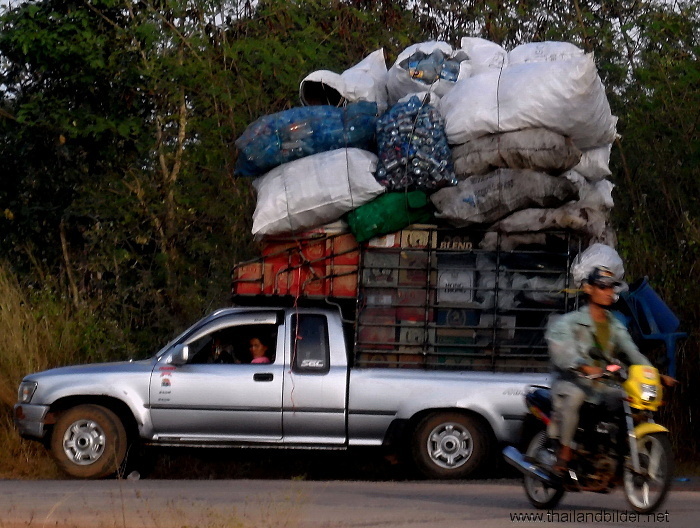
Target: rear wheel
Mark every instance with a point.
(449, 445)
(541, 495)
(88, 441)
(645, 492)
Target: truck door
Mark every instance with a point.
(315, 387)
(220, 394)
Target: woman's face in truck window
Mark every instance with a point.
(257, 349)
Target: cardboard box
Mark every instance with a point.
(306, 281)
(389, 240)
(410, 361)
(505, 325)
(415, 268)
(343, 250)
(381, 269)
(458, 317)
(419, 236)
(455, 341)
(455, 286)
(377, 328)
(380, 297)
(249, 279)
(377, 360)
(341, 281)
(412, 304)
(458, 240)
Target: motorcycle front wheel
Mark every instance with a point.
(646, 492)
(541, 495)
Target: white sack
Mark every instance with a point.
(485, 199)
(399, 80)
(484, 55)
(548, 51)
(596, 255)
(314, 190)
(597, 195)
(573, 216)
(540, 289)
(564, 96)
(366, 81)
(508, 242)
(533, 148)
(594, 163)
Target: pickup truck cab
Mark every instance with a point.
(308, 395)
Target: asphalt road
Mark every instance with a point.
(316, 504)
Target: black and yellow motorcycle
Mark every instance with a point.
(613, 447)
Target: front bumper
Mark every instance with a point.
(30, 420)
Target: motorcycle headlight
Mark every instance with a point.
(26, 391)
(649, 392)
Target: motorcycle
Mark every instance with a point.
(623, 446)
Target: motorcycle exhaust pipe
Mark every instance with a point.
(516, 459)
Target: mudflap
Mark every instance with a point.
(516, 459)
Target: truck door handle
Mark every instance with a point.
(263, 376)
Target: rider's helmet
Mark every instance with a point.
(602, 276)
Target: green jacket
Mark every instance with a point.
(572, 343)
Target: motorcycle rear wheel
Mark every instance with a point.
(540, 495)
(645, 493)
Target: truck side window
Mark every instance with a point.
(310, 347)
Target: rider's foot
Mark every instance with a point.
(561, 466)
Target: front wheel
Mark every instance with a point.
(450, 445)
(88, 441)
(541, 495)
(645, 492)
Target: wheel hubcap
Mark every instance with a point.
(450, 445)
(84, 442)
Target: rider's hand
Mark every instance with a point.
(668, 381)
(590, 370)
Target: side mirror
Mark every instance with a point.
(180, 355)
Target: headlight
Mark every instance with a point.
(649, 392)
(26, 391)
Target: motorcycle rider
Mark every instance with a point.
(582, 343)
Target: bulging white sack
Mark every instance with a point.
(487, 198)
(594, 163)
(567, 97)
(547, 51)
(596, 255)
(484, 55)
(366, 81)
(574, 216)
(533, 148)
(314, 190)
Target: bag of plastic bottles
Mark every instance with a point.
(485, 199)
(432, 66)
(388, 213)
(532, 148)
(565, 96)
(293, 134)
(413, 149)
(314, 191)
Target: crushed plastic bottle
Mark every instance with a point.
(413, 149)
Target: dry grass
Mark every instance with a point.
(30, 341)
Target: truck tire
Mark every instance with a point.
(88, 441)
(449, 445)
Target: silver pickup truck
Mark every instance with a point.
(203, 390)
